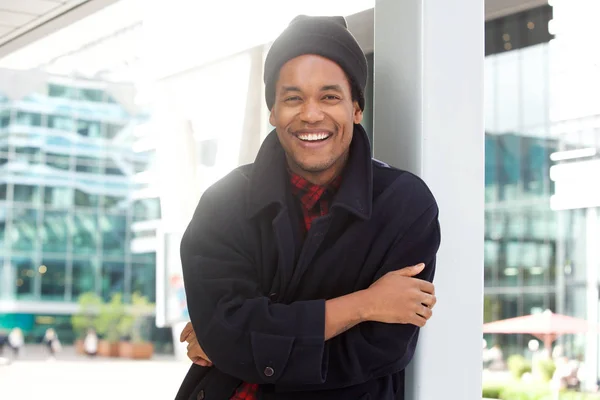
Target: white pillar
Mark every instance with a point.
(592, 264)
(428, 119)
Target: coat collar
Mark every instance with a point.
(269, 177)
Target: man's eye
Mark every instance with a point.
(293, 98)
(331, 97)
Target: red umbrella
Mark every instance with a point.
(546, 326)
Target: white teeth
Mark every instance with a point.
(309, 137)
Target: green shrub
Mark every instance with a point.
(492, 391)
(87, 315)
(546, 368)
(526, 392)
(518, 366)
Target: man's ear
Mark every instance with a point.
(272, 116)
(358, 113)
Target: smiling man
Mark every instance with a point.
(308, 273)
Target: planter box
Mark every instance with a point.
(136, 351)
(108, 349)
(79, 347)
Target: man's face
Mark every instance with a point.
(314, 116)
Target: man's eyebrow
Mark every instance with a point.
(286, 89)
(336, 88)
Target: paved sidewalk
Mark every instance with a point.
(73, 377)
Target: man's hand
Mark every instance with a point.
(399, 298)
(195, 352)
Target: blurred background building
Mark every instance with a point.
(69, 198)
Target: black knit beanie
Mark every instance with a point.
(327, 37)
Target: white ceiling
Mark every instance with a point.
(20, 16)
(24, 21)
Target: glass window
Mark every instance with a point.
(533, 272)
(59, 161)
(29, 119)
(84, 276)
(84, 199)
(112, 202)
(88, 128)
(4, 118)
(146, 209)
(55, 229)
(534, 91)
(58, 91)
(114, 230)
(516, 226)
(111, 168)
(111, 130)
(4, 155)
(26, 193)
(61, 123)
(31, 155)
(534, 303)
(508, 106)
(143, 275)
(492, 253)
(509, 148)
(140, 166)
(53, 273)
(508, 308)
(3, 190)
(84, 235)
(87, 164)
(25, 271)
(509, 271)
(59, 197)
(491, 167)
(113, 279)
(95, 95)
(2, 230)
(24, 232)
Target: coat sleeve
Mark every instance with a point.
(372, 349)
(243, 333)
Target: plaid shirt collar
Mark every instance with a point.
(315, 199)
(309, 193)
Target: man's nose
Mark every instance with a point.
(311, 112)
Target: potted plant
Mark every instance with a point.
(86, 317)
(133, 326)
(107, 326)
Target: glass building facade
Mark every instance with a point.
(68, 198)
(541, 154)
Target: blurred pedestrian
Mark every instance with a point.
(16, 341)
(52, 343)
(3, 340)
(90, 343)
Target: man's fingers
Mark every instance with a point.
(424, 312)
(428, 300)
(426, 287)
(186, 331)
(412, 271)
(419, 321)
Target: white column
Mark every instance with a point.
(428, 119)
(592, 265)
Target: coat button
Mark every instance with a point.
(269, 371)
(200, 395)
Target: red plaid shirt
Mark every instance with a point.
(315, 201)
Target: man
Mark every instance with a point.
(294, 266)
